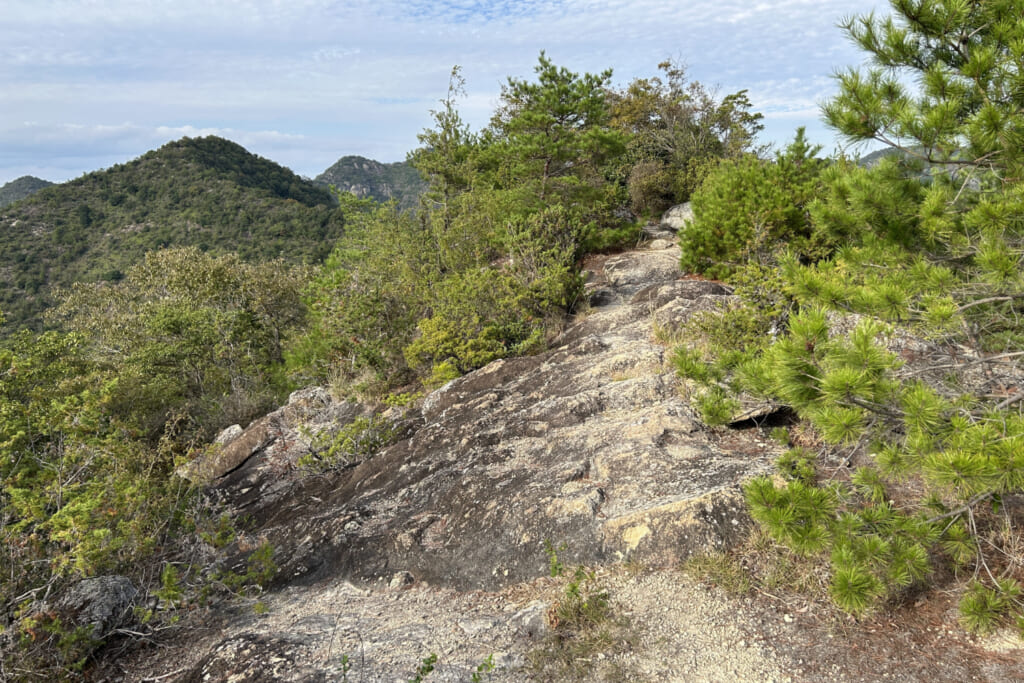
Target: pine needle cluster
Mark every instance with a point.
(915, 475)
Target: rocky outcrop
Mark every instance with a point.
(676, 218)
(277, 440)
(103, 603)
(364, 178)
(588, 448)
(589, 445)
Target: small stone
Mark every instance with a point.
(401, 581)
(228, 435)
(473, 626)
(531, 621)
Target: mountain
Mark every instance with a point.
(20, 188)
(368, 178)
(207, 192)
(874, 158)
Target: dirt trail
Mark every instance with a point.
(680, 630)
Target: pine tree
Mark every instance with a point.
(967, 56)
(933, 237)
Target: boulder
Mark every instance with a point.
(102, 602)
(228, 434)
(309, 413)
(676, 218)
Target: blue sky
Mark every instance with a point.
(85, 84)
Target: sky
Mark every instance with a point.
(86, 84)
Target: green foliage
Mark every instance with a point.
(797, 464)
(349, 445)
(80, 494)
(553, 135)
(206, 192)
(690, 364)
(716, 407)
(425, 668)
(676, 129)
(983, 609)
(489, 265)
(650, 187)
(20, 188)
(965, 61)
(797, 515)
(477, 317)
(749, 210)
(170, 592)
(484, 667)
(73, 477)
(365, 301)
(191, 334)
(50, 646)
(93, 422)
(555, 566)
(724, 346)
(259, 570)
(912, 246)
(781, 436)
(845, 386)
(583, 605)
(932, 238)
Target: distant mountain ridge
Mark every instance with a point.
(20, 188)
(366, 178)
(207, 192)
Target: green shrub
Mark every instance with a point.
(881, 543)
(983, 609)
(690, 364)
(797, 464)
(353, 443)
(716, 407)
(650, 188)
(749, 210)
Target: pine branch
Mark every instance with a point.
(964, 364)
(966, 507)
(1010, 401)
(876, 408)
(989, 300)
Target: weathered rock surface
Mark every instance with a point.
(677, 217)
(278, 440)
(436, 544)
(589, 444)
(103, 602)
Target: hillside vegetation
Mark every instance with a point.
(369, 179)
(907, 464)
(19, 188)
(206, 192)
(898, 478)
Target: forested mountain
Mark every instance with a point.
(205, 192)
(368, 178)
(20, 188)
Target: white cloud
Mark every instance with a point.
(336, 77)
